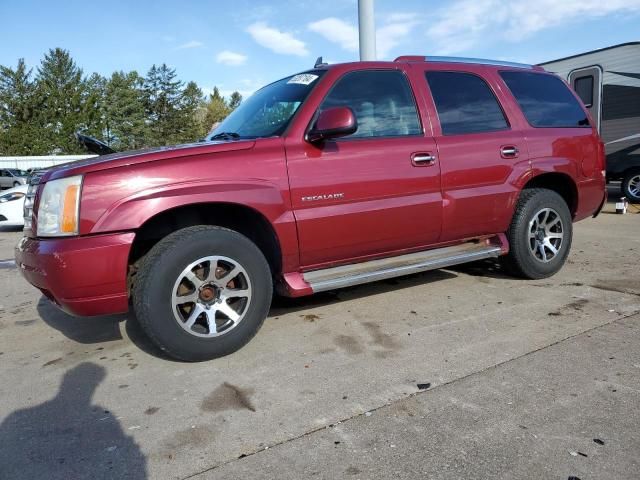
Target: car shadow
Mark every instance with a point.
(284, 305)
(489, 268)
(108, 328)
(92, 330)
(69, 436)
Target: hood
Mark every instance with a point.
(93, 145)
(121, 159)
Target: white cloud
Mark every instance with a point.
(392, 33)
(337, 31)
(276, 40)
(463, 24)
(401, 17)
(228, 57)
(191, 44)
(390, 36)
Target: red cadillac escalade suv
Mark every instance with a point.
(336, 176)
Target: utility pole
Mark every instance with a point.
(367, 30)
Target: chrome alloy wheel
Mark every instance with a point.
(211, 296)
(634, 186)
(546, 233)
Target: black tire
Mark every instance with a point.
(631, 175)
(16, 184)
(156, 277)
(521, 261)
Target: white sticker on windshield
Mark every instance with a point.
(303, 78)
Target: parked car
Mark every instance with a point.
(336, 176)
(12, 206)
(12, 177)
(607, 81)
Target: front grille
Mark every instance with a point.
(33, 181)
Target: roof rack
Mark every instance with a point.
(484, 61)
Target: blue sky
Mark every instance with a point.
(243, 44)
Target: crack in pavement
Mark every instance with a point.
(450, 382)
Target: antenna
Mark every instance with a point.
(320, 63)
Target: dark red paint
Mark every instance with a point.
(389, 203)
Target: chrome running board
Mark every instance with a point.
(373, 270)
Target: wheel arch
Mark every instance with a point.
(238, 217)
(561, 183)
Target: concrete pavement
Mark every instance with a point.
(90, 397)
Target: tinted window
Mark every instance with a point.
(545, 100)
(381, 100)
(465, 103)
(584, 88)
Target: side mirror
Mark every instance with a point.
(333, 123)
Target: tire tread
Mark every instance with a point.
(160, 249)
(514, 262)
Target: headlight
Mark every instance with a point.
(9, 197)
(59, 207)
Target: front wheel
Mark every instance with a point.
(202, 292)
(539, 236)
(631, 186)
(16, 184)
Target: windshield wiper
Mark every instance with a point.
(226, 136)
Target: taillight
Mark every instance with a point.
(602, 158)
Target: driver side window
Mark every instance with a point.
(381, 100)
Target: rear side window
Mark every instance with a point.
(584, 88)
(381, 100)
(545, 100)
(465, 103)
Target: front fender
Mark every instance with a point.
(130, 212)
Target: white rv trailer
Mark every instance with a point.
(608, 82)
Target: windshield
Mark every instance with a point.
(268, 111)
(17, 173)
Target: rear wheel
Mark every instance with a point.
(631, 186)
(202, 292)
(540, 235)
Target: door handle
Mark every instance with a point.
(423, 159)
(509, 151)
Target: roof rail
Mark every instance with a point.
(483, 61)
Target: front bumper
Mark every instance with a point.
(82, 275)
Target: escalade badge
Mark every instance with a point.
(327, 196)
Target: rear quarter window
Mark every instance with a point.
(545, 100)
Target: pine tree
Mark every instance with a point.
(93, 118)
(39, 116)
(192, 127)
(19, 134)
(235, 100)
(162, 94)
(60, 92)
(125, 116)
(217, 109)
